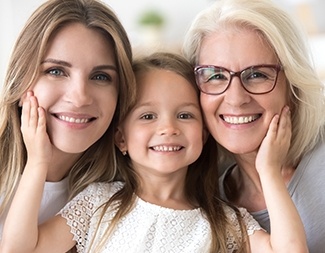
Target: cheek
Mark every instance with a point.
(44, 94)
(210, 105)
(282, 91)
(135, 140)
(277, 101)
(108, 104)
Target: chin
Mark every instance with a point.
(241, 149)
(70, 149)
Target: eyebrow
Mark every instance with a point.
(101, 67)
(67, 64)
(189, 104)
(59, 62)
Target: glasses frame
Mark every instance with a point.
(277, 67)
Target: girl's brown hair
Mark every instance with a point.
(202, 188)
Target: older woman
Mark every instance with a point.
(250, 62)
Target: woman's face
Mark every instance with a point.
(237, 119)
(78, 87)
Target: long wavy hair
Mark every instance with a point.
(279, 30)
(23, 71)
(201, 184)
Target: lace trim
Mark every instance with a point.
(162, 223)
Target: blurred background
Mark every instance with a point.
(156, 24)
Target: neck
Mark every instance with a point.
(243, 185)
(60, 165)
(164, 190)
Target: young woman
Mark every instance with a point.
(251, 61)
(166, 198)
(75, 57)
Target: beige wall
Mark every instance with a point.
(178, 15)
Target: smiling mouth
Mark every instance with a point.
(163, 148)
(240, 120)
(74, 120)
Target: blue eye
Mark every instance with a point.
(218, 76)
(259, 74)
(55, 72)
(255, 75)
(102, 77)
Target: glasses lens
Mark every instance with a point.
(259, 79)
(212, 80)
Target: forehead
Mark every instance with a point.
(77, 43)
(157, 83)
(236, 48)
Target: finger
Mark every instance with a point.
(33, 119)
(284, 130)
(41, 118)
(273, 127)
(25, 115)
(24, 98)
(289, 124)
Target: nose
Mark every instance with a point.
(79, 92)
(168, 127)
(236, 95)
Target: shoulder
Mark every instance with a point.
(80, 211)
(317, 150)
(93, 196)
(249, 222)
(311, 163)
(103, 188)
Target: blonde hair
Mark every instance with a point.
(202, 188)
(23, 71)
(288, 42)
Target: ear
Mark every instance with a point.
(120, 140)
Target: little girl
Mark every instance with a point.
(166, 198)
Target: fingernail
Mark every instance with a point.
(288, 109)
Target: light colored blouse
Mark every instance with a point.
(55, 197)
(147, 228)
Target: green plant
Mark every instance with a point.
(151, 17)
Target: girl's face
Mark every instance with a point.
(163, 133)
(237, 119)
(78, 87)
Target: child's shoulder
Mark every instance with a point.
(249, 222)
(101, 188)
(92, 197)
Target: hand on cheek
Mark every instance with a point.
(33, 128)
(275, 146)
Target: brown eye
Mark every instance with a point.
(185, 116)
(148, 116)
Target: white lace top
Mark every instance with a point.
(147, 228)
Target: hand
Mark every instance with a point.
(275, 146)
(33, 128)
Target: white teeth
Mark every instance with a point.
(240, 120)
(166, 148)
(73, 120)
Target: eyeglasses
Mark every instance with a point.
(259, 79)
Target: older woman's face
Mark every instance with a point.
(237, 119)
